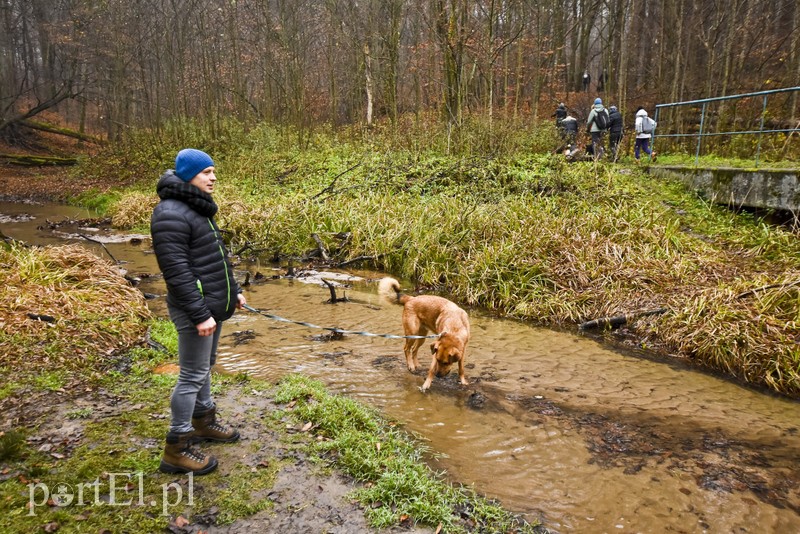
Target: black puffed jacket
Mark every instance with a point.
(615, 122)
(190, 251)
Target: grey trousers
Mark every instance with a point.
(196, 356)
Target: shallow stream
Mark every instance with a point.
(555, 425)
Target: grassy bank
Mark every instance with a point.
(83, 411)
(519, 231)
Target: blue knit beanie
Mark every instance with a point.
(597, 101)
(190, 162)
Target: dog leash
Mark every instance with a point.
(333, 329)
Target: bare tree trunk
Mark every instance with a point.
(795, 57)
(451, 39)
(368, 82)
(393, 53)
(626, 43)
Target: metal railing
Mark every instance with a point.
(702, 133)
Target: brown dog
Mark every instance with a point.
(425, 313)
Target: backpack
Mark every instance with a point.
(601, 119)
(648, 125)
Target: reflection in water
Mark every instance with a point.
(591, 439)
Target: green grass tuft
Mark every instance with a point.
(397, 481)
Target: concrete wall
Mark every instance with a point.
(776, 189)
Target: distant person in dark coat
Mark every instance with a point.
(615, 130)
(601, 82)
(570, 126)
(560, 113)
(586, 81)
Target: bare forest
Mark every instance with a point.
(110, 65)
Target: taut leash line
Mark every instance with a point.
(333, 329)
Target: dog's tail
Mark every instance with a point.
(389, 289)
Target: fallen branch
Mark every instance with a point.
(61, 94)
(764, 288)
(44, 127)
(87, 238)
(618, 320)
(35, 161)
(320, 247)
(329, 188)
(249, 246)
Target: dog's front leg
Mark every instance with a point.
(461, 372)
(431, 373)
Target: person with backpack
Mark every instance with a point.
(570, 126)
(644, 131)
(615, 130)
(561, 112)
(596, 126)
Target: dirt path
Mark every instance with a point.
(42, 183)
(303, 498)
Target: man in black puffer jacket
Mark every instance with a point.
(201, 294)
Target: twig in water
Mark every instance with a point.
(332, 289)
(87, 238)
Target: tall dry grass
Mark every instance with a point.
(64, 307)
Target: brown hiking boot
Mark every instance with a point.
(181, 457)
(207, 428)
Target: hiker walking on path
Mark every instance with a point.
(596, 126)
(201, 294)
(615, 128)
(560, 113)
(644, 131)
(570, 127)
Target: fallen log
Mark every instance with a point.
(618, 320)
(44, 127)
(37, 161)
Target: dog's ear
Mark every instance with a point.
(434, 347)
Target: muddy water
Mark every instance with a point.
(553, 424)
